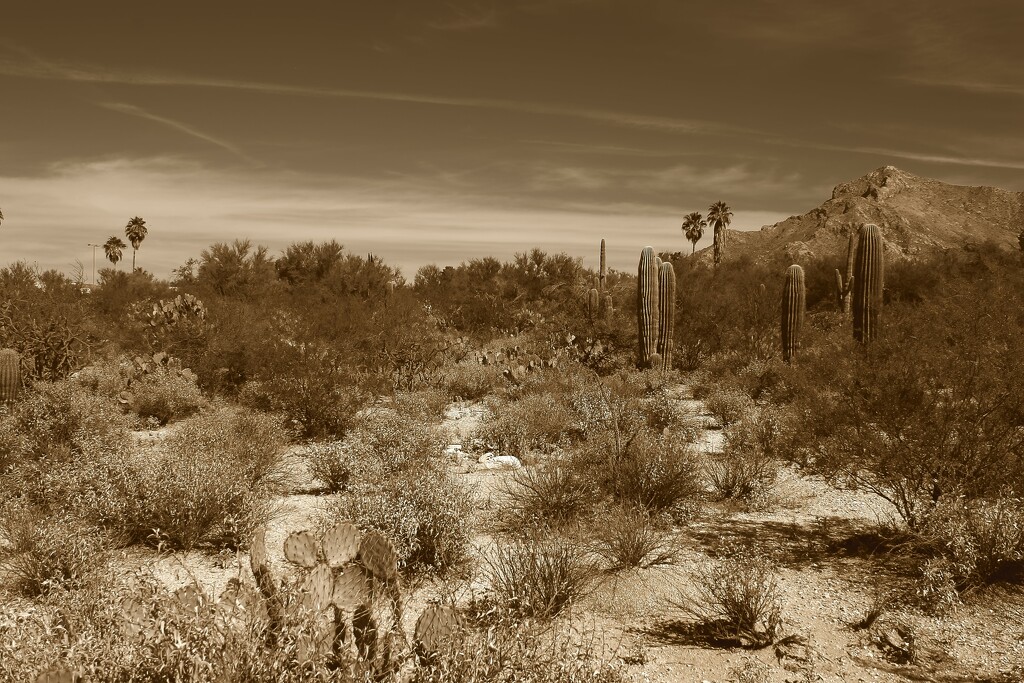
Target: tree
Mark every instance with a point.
(719, 216)
(135, 231)
(693, 228)
(112, 248)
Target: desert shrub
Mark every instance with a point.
(655, 471)
(980, 540)
(392, 442)
(165, 394)
(424, 512)
(426, 404)
(40, 552)
(530, 649)
(332, 463)
(56, 418)
(628, 537)
(746, 469)
(931, 410)
(737, 596)
(534, 422)
(539, 574)
(728, 403)
(552, 492)
(469, 380)
(315, 406)
(209, 484)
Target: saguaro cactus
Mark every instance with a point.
(593, 304)
(843, 288)
(868, 280)
(666, 313)
(794, 302)
(10, 375)
(647, 308)
(604, 270)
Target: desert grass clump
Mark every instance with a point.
(655, 471)
(540, 573)
(469, 380)
(41, 553)
(632, 538)
(332, 463)
(736, 597)
(728, 403)
(551, 492)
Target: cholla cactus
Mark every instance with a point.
(647, 307)
(10, 375)
(868, 282)
(794, 302)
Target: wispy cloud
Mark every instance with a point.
(133, 110)
(466, 18)
(92, 74)
(975, 86)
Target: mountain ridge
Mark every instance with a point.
(917, 216)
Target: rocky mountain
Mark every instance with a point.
(917, 215)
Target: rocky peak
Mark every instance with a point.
(880, 184)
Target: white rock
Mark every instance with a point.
(499, 461)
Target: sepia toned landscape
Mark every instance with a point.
(540, 342)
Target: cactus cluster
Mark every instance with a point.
(516, 364)
(10, 375)
(868, 282)
(143, 366)
(794, 302)
(174, 310)
(655, 311)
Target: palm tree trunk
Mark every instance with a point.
(134, 251)
(693, 248)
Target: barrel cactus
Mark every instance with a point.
(666, 313)
(647, 310)
(794, 302)
(10, 375)
(868, 281)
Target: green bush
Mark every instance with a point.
(469, 380)
(332, 463)
(392, 442)
(628, 537)
(655, 472)
(534, 422)
(552, 492)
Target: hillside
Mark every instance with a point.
(917, 215)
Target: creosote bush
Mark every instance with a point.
(533, 422)
(332, 463)
(551, 492)
(628, 537)
(655, 471)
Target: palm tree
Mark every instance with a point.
(693, 228)
(135, 231)
(719, 216)
(112, 248)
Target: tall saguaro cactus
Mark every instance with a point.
(647, 309)
(10, 375)
(603, 272)
(868, 281)
(843, 288)
(666, 313)
(794, 302)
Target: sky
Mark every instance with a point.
(435, 132)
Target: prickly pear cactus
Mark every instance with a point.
(868, 282)
(794, 302)
(666, 313)
(436, 628)
(10, 375)
(647, 310)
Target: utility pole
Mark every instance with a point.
(94, 248)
